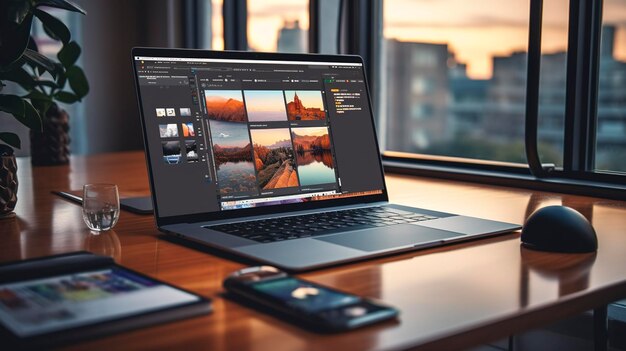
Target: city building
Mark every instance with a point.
(417, 91)
(292, 38)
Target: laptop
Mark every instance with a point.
(274, 157)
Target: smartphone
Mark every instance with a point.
(312, 304)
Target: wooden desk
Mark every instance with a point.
(450, 297)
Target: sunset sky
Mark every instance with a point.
(268, 137)
(495, 27)
(265, 101)
(474, 31)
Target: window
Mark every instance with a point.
(477, 86)
(270, 25)
(276, 25)
(466, 65)
(611, 111)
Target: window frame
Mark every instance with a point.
(577, 175)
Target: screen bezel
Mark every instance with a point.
(263, 210)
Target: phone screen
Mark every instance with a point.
(304, 295)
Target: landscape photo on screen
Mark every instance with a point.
(191, 150)
(225, 105)
(265, 105)
(168, 130)
(305, 105)
(274, 158)
(232, 151)
(313, 155)
(185, 111)
(188, 130)
(171, 152)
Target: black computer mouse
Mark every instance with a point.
(559, 229)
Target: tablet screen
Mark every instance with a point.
(39, 306)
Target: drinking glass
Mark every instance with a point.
(101, 206)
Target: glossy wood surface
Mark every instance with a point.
(449, 297)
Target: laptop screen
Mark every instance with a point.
(225, 134)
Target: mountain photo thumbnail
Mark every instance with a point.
(225, 105)
(305, 105)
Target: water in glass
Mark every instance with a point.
(101, 206)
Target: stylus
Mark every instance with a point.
(68, 196)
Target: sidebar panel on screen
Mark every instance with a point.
(177, 139)
(352, 130)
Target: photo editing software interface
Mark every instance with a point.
(227, 134)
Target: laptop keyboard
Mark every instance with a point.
(295, 227)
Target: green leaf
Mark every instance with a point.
(42, 106)
(11, 139)
(40, 101)
(61, 4)
(61, 79)
(78, 81)
(69, 54)
(13, 40)
(32, 119)
(53, 26)
(66, 97)
(19, 76)
(37, 95)
(22, 110)
(12, 104)
(39, 60)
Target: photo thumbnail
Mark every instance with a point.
(313, 155)
(171, 152)
(168, 130)
(305, 105)
(274, 158)
(232, 151)
(160, 112)
(188, 130)
(171, 112)
(225, 105)
(191, 149)
(265, 105)
(185, 111)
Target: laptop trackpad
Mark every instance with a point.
(383, 238)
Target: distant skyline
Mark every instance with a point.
(474, 33)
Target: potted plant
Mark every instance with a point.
(44, 80)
